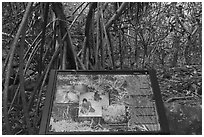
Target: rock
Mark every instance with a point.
(81, 88)
(184, 119)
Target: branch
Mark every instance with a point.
(12, 36)
(178, 98)
(22, 80)
(80, 62)
(78, 8)
(116, 15)
(42, 77)
(78, 16)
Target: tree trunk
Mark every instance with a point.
(136, 50)
(111, 50)
(102, 47)
(70, 55)
(12, 51)
(45, 7)
(97, 37)
(187, 51)
(120, 50)
(108, 42)
(176, 51)
(22, 90)
(89, 28)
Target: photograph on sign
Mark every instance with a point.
(91, 104)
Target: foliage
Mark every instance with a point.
(166, 36)
(182, 92)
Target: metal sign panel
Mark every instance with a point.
(103, 102)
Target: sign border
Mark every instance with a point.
(44, 126)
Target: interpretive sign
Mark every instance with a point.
(103, 102)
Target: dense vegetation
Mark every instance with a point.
(38, 37)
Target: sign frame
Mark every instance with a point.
(44, 126)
